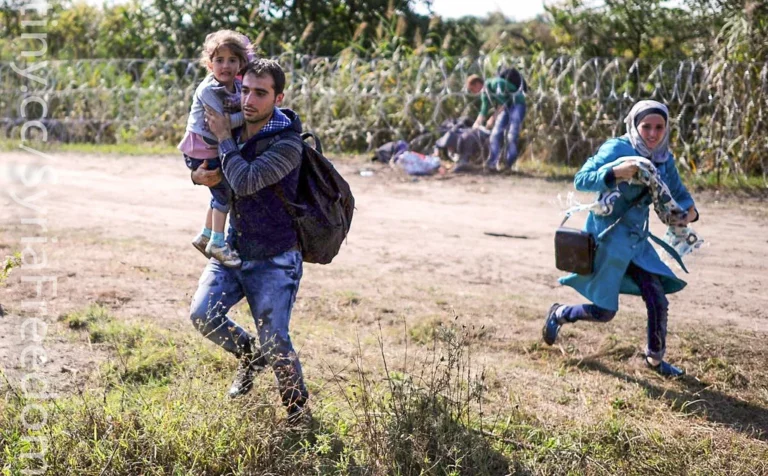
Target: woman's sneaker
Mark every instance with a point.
(551, 325)
(665, 369)
(200, 242)
(226, 255)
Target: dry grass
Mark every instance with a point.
(413, 368)
(427, 399)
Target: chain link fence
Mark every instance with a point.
(718, 108)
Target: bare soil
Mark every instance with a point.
(421, 252)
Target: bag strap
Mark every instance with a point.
(634, 202)
(664, 245)
(671, 251)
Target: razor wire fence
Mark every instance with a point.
(717, 107)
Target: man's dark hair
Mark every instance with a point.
(266, 67)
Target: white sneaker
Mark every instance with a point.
(227, 256)
(200, 242)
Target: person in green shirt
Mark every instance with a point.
(508, 101)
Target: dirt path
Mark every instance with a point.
(418, 251)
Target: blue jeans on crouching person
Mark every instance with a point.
(656, 304)
(270, 286)
(508, 124)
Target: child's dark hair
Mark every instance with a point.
(266, 67)
(237, 43)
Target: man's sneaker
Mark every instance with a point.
(551, 325)
(200, 242)
(247, 368)
(665, 369)
(226, 255)
(299, 415)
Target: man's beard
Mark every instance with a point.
(254, 120)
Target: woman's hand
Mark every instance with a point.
(692, 215)
(218, 124)
(625, 170)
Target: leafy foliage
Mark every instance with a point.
(362, 76)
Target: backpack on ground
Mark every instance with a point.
(386, 152)
(323, 212)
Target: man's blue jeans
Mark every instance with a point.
(508, 123)
(270, 287)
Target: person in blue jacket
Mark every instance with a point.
(625, 261)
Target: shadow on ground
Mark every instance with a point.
(694, 397)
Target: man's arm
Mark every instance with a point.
(247, 178)
(485, 104)
(274, 164)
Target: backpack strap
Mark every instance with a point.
(290, 207)
(315, 139)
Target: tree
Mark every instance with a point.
(74, 33)
(628, 28)
(118, 38)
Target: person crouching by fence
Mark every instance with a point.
(470, 144)
(625, 261)
(507, 101)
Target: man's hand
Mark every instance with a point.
(625, 170)
(203, 176)
(218, 124)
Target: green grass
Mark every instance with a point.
(539, 168)
(127, 148)
(756, 184)
(7, 266)
(158, 406)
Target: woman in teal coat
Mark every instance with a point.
(625, 261)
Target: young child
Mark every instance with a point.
(225, 53)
